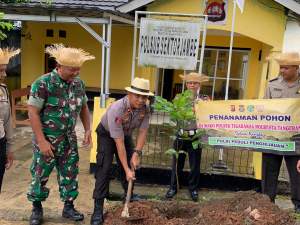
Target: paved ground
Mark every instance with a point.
(15, 209)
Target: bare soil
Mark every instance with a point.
(244, 208)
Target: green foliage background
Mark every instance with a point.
(7, 25)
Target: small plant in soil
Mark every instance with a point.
(181, 112)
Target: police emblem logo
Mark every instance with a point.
(126, 115)
(118, 120)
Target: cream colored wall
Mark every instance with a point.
(259, 21)
(260, 27)
(264, 27)
(33, 58)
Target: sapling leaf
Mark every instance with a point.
(171, 151)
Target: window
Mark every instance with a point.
(215, 65)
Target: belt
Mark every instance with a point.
(185, 133)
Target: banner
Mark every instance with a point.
(217, 11)
(267, 125)
(169, 44)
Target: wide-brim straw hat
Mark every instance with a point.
(194, 77)
(66, 56)
(6, 54)
(288, 59)
(140, 86)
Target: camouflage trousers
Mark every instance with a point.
(66, 163)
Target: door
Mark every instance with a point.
(167, 84)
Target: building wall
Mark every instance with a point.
(255, 74)
(33, 57)
(259, 33)
(261, 20)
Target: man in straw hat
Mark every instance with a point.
(193, 83)
(6, 155)
(286, 85)
(56, 100)
(114, 138)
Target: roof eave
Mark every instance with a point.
(290, 4)
(133, 5)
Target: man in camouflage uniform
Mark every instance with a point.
(287, 85)
(56, 100)
(6, 130)
(114, 138)
(193, 83)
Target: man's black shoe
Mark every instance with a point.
(97, 217)
(36, 217)
(171, 193)
(194, 195)
(135, 198)
(71, 213)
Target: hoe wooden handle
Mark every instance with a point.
(129, 192)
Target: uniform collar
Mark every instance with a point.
(127, 104)
(296, 82)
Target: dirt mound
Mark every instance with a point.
(245, 208)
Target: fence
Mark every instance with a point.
(238, 161)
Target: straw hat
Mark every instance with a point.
(66, 56)
(194, 77)
(140, 86)
(6, 54)
(288, 59)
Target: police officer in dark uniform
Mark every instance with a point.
(287, 85)
(193, 83)
(6, 130)
(114, 138)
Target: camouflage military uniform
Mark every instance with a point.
(60, 103)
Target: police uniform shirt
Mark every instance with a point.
(120, 120)
(279, 88)
(5, 116)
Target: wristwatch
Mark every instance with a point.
(139, 152)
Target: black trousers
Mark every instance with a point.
(2, 159)
(194, 160)
(106, 150)
(270, 171)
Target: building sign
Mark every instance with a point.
(217, 11)
(169, 44)
(271, 125)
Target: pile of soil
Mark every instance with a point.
(245, 208)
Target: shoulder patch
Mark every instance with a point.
(274, 79)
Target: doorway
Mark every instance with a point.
(50, 63)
